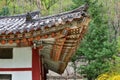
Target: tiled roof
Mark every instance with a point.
(14, 24)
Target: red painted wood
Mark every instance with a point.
(35, 65)
(41, 72)
(15, 69)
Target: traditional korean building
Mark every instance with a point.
(31, 45)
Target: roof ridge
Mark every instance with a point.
(81, 8)
(21, 15)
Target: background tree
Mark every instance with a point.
(46, 7)
(96, 47)
(4, 10)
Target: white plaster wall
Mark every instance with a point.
(22, 58)
(20, 75)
